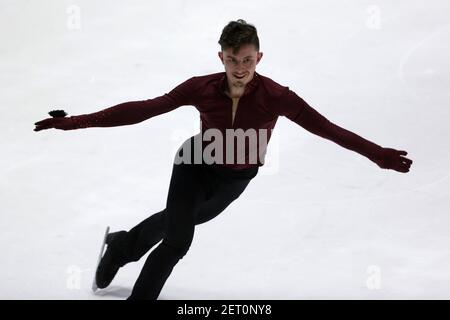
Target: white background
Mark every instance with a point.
(318, 222)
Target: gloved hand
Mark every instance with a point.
(58, 121)
(393, 159)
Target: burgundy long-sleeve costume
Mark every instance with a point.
(263, 102)
(199, 193)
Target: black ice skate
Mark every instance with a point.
(108, 264)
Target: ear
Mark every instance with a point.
(220, 53)
(259, 57)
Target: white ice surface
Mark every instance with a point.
(319, 221)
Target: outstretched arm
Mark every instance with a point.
(297, 110)
(125, 113)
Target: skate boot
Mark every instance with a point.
(110, 262)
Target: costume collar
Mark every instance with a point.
(249, 87)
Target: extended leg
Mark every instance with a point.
(185, 196)
(141, 238)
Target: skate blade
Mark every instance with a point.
(102, 249)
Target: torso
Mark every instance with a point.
(218, 110)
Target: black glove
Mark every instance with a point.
(393, 159)
(58, 121)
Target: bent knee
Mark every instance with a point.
(179, 249)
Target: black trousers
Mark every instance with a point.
(197, 194)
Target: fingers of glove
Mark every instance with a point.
(57, 123)
(399, 158)
(407, 161)
(45, 122)
(408, 164)
(395, 165)
(389, 152)
(39, 128)
(402, 169)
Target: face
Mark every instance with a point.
(240, 67)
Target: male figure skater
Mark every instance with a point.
(237, 99)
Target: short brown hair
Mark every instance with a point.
(237, 33)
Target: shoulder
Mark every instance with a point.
(208, 78)
(272, 88)
(206, 85)
(198, 83)
(281, 99)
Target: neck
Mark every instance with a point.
(236, 91)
